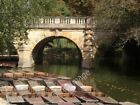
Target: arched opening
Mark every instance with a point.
(132, 55)
(56, 50)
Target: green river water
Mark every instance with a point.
(118, 86)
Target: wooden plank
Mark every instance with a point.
(84, 96)
(89, 104)
(15, 99)
(65, 103)
(53, 99)
(107, 100)
(35, 100)
(71, 99)
(64, 77)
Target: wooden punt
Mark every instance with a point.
(53, 99)
(96, 94)
(66, 85)
(13, 74)
(65, 103)
(29, 74)
(6, 89)
(64, 78)
(52, 86)
(81, 95)
(35, 100)
(57, 90)
(8, 75)
(22, 87)
(26, 73)
(68, 88)
(40, 74)
(82, 87)
(37, 88)
(18, 74)
(84, 97)
(15, 99)
(91, 104)
(69, 98)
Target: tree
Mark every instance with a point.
(17, 15)
(49, 8)
(81, 7)
(120, 17)
(13, 13)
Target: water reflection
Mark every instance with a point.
(120, 87)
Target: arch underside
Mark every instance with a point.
(37, 52)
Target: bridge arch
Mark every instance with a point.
(76, 29)
(37, 51)
(36, 36)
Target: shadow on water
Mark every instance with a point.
(119, 86)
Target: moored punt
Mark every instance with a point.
(3, 102)
(6, 89)
(53, 99)
(96, 94)
(18, 74)
(63, 94)
(28, 74)
(84, 97)
(15, 99)
(34, 100)
(37, 88)
(64, 78)
(128, 103)
(91, 104)
(82, 87)
(8, 75)
(40, 74)
(107, 100)
(52, 86)
(65, 103)
(13, 74)
(70, 98)
(67, 85)
(40, 89)
(22, 87)
(8, 64)
(81, 95)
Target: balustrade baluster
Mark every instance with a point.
(66, 21)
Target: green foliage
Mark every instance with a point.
(81, 7)
(13, 14)
(119, 16)
(16, 16)
(49, 8)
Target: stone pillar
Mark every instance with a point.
(88, 50)
(25, 57)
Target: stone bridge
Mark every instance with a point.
(76, 29)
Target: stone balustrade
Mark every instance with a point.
(63, 22)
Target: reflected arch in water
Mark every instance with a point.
(38, 50)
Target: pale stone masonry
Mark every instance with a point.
(76, 29)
